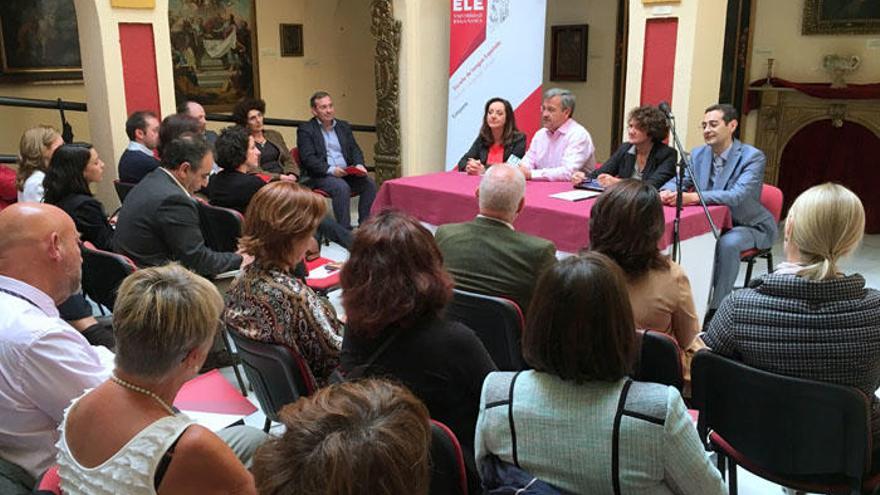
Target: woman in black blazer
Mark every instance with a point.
(644, 156)
(498, 140)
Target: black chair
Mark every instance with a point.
(448, 474)
(278, 374)
(658, 359)
(221, 227)
(802, 434)
(102, 272)
(122, 189)
(497, 321)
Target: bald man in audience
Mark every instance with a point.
(487, 255)
(44, 362)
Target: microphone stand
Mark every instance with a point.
(679, 186)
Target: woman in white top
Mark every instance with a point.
(35, 150)
(123, 436)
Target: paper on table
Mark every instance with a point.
(575, 195)
(213, 421)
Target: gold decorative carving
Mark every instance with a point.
(784, 112)
(386, 30)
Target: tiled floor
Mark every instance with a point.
(865, 261)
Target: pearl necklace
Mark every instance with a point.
(144, 391)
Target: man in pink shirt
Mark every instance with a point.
(563, 146)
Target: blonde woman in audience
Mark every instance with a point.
(124, 436)
(35, 150)
(580, 424)
(267, 302)
(808, 319)
(626, 224)
(365, 437)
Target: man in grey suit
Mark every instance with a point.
(486, 255)
(159, 220)
(729, 173)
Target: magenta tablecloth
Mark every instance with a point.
(448, 197)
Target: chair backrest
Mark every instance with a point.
(122, 189)
(782, 424)
(278, 374)
(221, 227)
(658, 359)
(448, 474)
(497, 321)
(102, 272)
(771, 198)
(294, 153)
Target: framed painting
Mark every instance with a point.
(38, 40)
(214, 51)
(841, 17)
(568, 52)
(291, 40)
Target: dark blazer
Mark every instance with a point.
(479, 150)
(487, 257)
(233, 189)
(288, 166)
(659, 168)
(90, 219)
(313, 149)
(134, 165)
(159, 223)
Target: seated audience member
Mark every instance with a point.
(73, 167)
(8, 194)
(626, 224)
(124, 436)
(729, 173)
(562, 147)
(197, 111)
(275, 159)
(807, 319)
(486, 255)
(369, 436)
(34, 152)
(173, 126)
(239, 160)
(499, 139)
(138, 160)
(327, 148)
(394, 290)
(159, 221)
(267, 302)
(44, 362)
(581, 424)
(644, 156)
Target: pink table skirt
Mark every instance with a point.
(448, 197)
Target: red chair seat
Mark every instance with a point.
(813, 483)
(751, 253)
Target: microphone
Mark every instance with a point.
(664, 107)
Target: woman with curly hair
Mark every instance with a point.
(644, 156)
(394, 290)
(34, 152)
(275, 156)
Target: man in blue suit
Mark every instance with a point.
(333, 162)
(729, 173)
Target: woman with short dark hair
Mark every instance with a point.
(72, 168)
(394, 291)
(644, 156)
(275, 156)
(580, 424)
(239, 160)
(626, 224)
(267, 302)
(369, 436)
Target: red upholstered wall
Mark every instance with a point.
(139, 67)
(821, 153)
(658, 68)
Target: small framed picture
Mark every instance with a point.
(291, 40)
(568, 52)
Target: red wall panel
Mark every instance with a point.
(658, 67)
(139, 67)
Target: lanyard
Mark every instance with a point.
(16, 294)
